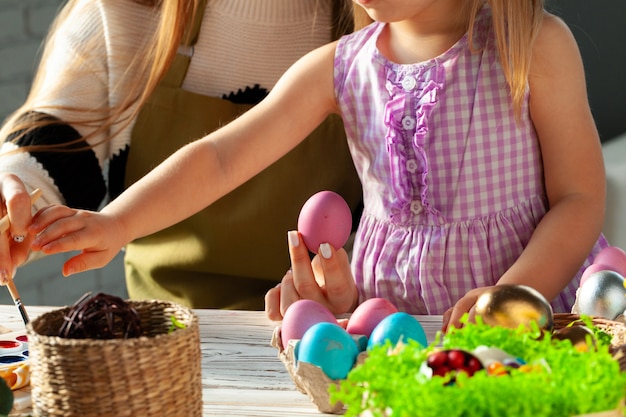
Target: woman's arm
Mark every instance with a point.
(199, 173)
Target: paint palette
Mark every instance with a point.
(14, 364)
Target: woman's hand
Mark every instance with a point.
(327, 279)
(98, 236)
(14, 242)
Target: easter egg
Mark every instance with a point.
(581, 337)
(325, 218)
(512, 305)
(591, 269)
(444, 362)
(300, 316)
(368, 314)
(397, 327)
(614, 258)
(602, 295)
(330, 347)
(490, 354)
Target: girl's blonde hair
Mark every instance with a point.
(515, 23)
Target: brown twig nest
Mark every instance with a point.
(101, 316)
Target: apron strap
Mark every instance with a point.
(178, 69)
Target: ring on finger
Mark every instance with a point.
(18, 238)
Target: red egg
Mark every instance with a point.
(613, 257)
(368, 314)
(325, 218)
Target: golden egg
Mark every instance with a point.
(512, 305)
(581, 337)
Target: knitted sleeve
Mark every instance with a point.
(85, 64)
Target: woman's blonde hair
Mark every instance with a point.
(151, 66)
(515, 23)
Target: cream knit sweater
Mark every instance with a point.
(241, 43)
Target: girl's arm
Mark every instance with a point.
(572, 161)
(573, 170)
(199, 173)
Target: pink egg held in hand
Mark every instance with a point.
(325, 218)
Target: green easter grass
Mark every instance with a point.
(564, 383)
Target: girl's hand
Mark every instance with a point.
(97, 236)
(465, 305)
(327, 279)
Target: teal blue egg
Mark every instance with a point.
(330, 347)
(397, 327)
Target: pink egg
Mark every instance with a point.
(325, 218)
(368, 314)
(591, 269)
(613, 257)
(300, 316)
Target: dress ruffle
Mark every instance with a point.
(412, 98)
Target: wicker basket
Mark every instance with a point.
(154, 375)
(617, 329)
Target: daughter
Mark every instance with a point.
(469, 125)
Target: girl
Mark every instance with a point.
(113, 95)
(469, 126)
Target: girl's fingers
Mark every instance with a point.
(452, 317)
(48, 215)
(61, 229)
(85, 261)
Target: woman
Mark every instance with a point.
(121, 85)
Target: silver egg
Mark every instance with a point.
(512, 305)
(602, 295)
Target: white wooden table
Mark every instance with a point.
(241, 373)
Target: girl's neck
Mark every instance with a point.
(422, 37)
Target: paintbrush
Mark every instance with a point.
(17, 300)
(4, 226)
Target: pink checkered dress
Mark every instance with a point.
(453, 188)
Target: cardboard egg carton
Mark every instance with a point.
(309, 379)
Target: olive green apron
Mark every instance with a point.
(230, 254)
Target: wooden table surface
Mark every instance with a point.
(241, 373)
